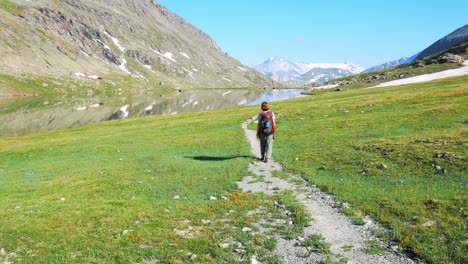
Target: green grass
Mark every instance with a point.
(317, 242)
(398, 154)
(375, 248)
(10, 7)
(296, 213)
(105, 192)
(110, 86)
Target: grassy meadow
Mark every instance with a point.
(129, 191)
(398, 154)
(139, 190)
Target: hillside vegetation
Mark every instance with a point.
(450, 58)
(122, 45)
(398, 154)
(137, 190)
(374, 78)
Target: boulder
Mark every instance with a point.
(418, 64)
(449, 57)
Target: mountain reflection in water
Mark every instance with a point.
(277, 95)
(29, 115)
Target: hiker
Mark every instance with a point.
(266, 131)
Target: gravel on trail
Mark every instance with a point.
(347, 240)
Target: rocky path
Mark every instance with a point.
(347, 240)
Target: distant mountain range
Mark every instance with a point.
(391, 64)
(298, 74)
(456, 37)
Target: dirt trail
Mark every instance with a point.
(347, 240)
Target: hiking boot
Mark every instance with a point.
(265, 160)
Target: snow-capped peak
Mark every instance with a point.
(275, 64)
(297, 73)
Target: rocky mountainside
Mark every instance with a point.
(451, 40)
(136, 40)
(456, 37)
(298, 74)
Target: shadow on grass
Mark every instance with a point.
(211, 158)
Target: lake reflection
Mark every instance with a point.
(30, 115)
(278, 95)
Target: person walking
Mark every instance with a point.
(266, 131)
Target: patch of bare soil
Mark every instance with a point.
(348, 241)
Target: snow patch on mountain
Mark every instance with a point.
(116, 42)
(185, 55)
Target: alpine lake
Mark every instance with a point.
(27, 115)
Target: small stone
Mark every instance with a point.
(253, 260)
(246, 229)
(193, 257)
(185, 222)
(205, 222)
(212, 198)
(62, 199)
(438, 167)
(124, 232)
(224, 245)
(2, 252)
(224, 197)
(430, 224)
(177, 197)
(382, 166)
(394, 247)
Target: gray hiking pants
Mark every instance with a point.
(266, 145)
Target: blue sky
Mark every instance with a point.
(366, 33)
